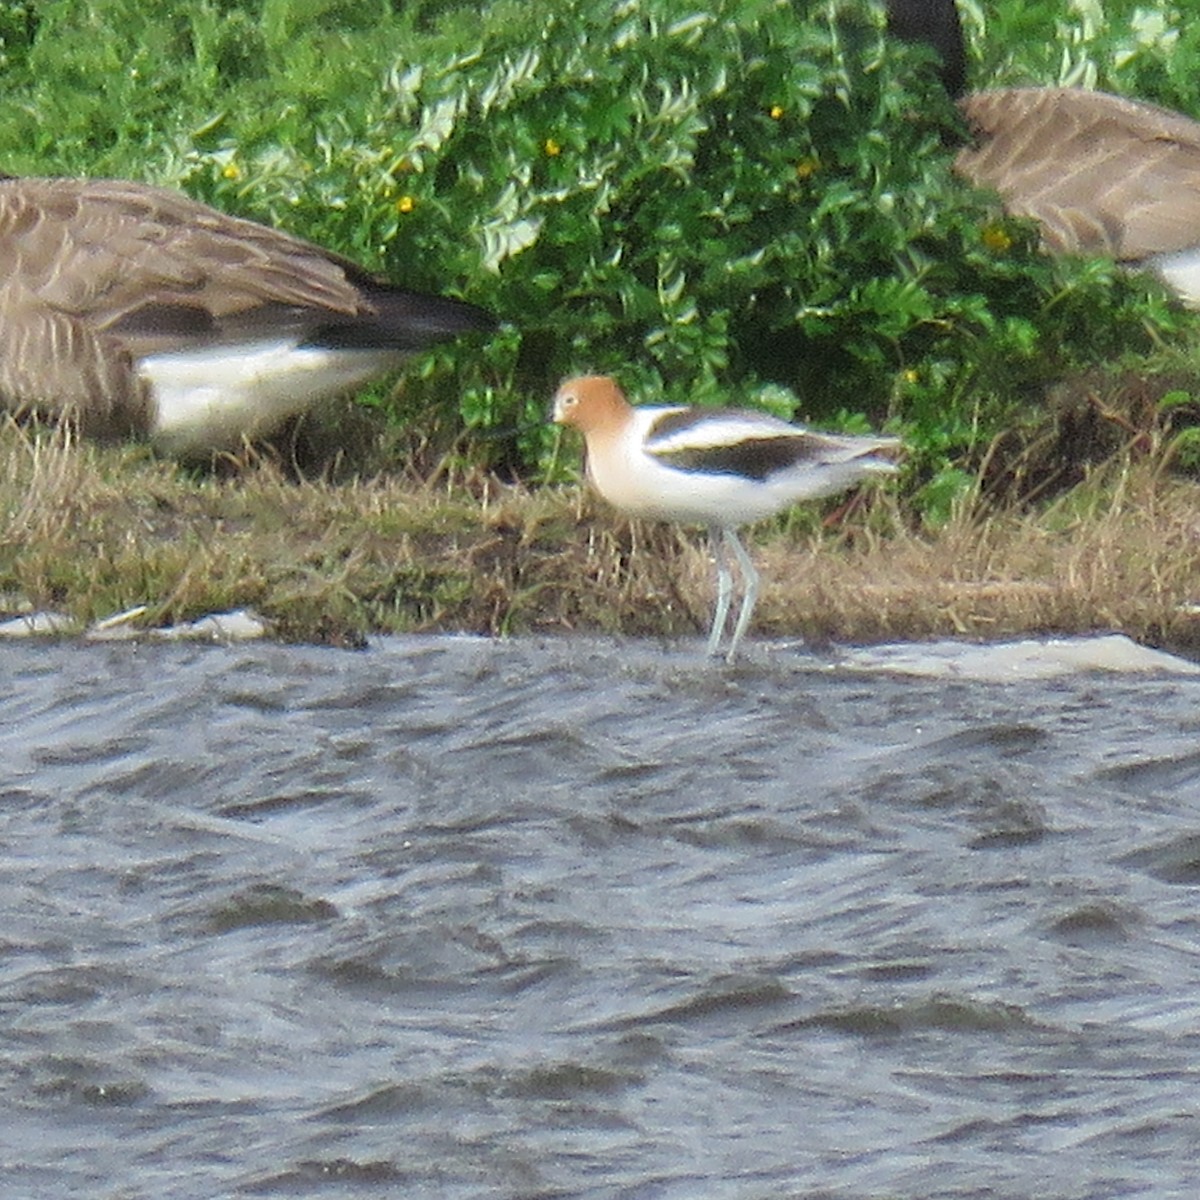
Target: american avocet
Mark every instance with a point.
(1101, 174)
(722, 468)
(133, 310)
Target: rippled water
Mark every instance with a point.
(455, 918)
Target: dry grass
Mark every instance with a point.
(95, 530)
(1119, 552)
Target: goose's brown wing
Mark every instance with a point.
(1102, 174)
(103, 249)
(99, 273)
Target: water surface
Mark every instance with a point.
(459, 918)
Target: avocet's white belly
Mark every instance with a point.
(644, 485)
(219, 397)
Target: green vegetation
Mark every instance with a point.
(747, 202)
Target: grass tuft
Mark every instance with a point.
(95, 530)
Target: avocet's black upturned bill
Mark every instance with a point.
(134, 310)
(722, 468)
(1101, 174)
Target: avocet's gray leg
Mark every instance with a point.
(716, 539)
(749, 596)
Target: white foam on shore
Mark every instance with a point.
(1029, 658)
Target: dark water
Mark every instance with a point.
(452, 918)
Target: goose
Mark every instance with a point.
(1101, 174)
(133, 310)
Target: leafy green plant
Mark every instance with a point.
(749, 202)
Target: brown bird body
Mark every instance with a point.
(135, 310)
(1101, 174)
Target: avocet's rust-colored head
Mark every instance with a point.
(591, 404)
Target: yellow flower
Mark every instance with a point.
(912, 375)
(552, 148)
(996, 239)
(231, 171)
(405, 204)
(776, 111)
(806, 168)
